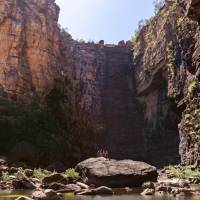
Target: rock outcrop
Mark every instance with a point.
(116, 174)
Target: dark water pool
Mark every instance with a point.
(133, 196)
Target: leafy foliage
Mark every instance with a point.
(5, 176)
(158, 4)
(41, 173)
(71, 173)
(183, 172)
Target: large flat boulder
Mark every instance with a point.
(116, 174)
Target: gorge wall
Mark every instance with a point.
(165, 73)
(138, 101)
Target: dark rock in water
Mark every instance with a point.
(103, 191)
(175, 191)
(161, 188)
(194, 180)
(4, 168)
(22, 182)
(51, 195)
(23, 198)
(3, 161)
(73, 187)
(56, 186)
(82, 185)
(86, 192)
(55, 178)
(38, 195)
(45, 195)
(149, 185)
(28, 172)
(13, 170)
(148, 191)
(67, 188)
(113, 173)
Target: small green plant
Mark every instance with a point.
(71, 173)
(191, 173)
(180, 21)
(178, 173)
(41, 173)
(158, 4)
(171, 59)
(192, 86)
(135, 38)
(183, 172)
(5, 176)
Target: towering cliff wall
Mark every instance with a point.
(29, 38)
(102, 86)
(57, 91)
(167, 83)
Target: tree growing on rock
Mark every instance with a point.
(158, 4)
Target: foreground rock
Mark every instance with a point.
(23, 198)
(46, 195)
(55, 178)
(22, 182)
(148, 192)
(103, 190)
(115, 174)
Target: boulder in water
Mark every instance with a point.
(115, 174)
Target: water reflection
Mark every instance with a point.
(11, 196)
(130, 197)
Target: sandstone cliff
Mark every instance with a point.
(29, 48)
(167, 83)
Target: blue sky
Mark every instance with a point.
(111, 20)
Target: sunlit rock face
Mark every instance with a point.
(29, 39)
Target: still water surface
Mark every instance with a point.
(134, 196)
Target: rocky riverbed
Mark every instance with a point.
(100, 176)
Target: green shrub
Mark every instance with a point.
(190, 173)
(158, 4)
(5, 176)
(71, 173)
(183, 172)
(178, 173)
(41, 173)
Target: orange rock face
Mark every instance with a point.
(29, 47)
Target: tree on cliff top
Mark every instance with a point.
(158, 4)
